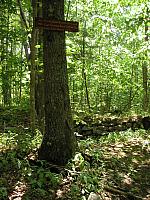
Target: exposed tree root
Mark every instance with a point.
(120, 191)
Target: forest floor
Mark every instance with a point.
(115, 166)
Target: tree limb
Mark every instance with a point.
(123, 193)
(22, 15)
(26, 45)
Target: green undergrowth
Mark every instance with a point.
(11, 117)
(119, 160)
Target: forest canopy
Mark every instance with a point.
(108, 65)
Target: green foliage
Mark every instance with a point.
(112, 55)
(16, 151)
(105, 164)
(41, 178)
(110, 49)
(3, 193)
(108, 160)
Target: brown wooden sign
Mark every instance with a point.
(57, 25)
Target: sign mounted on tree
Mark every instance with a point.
(57, 25)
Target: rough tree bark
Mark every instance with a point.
(59, 142)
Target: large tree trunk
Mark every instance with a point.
(59, 142)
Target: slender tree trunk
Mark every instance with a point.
(83, 71)
(6, 86)
(39, 101)
(131, 88)
(59, 142)
(145, 70)
(108, 97)
(39, 76)
(145, 86)
(32, 70)
(30, 57)
(20, 79)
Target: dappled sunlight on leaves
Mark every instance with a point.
(127, 180)
(113, 167)
(19, 190)
(122, 162)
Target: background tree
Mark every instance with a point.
(13, 71)
(145, 64)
